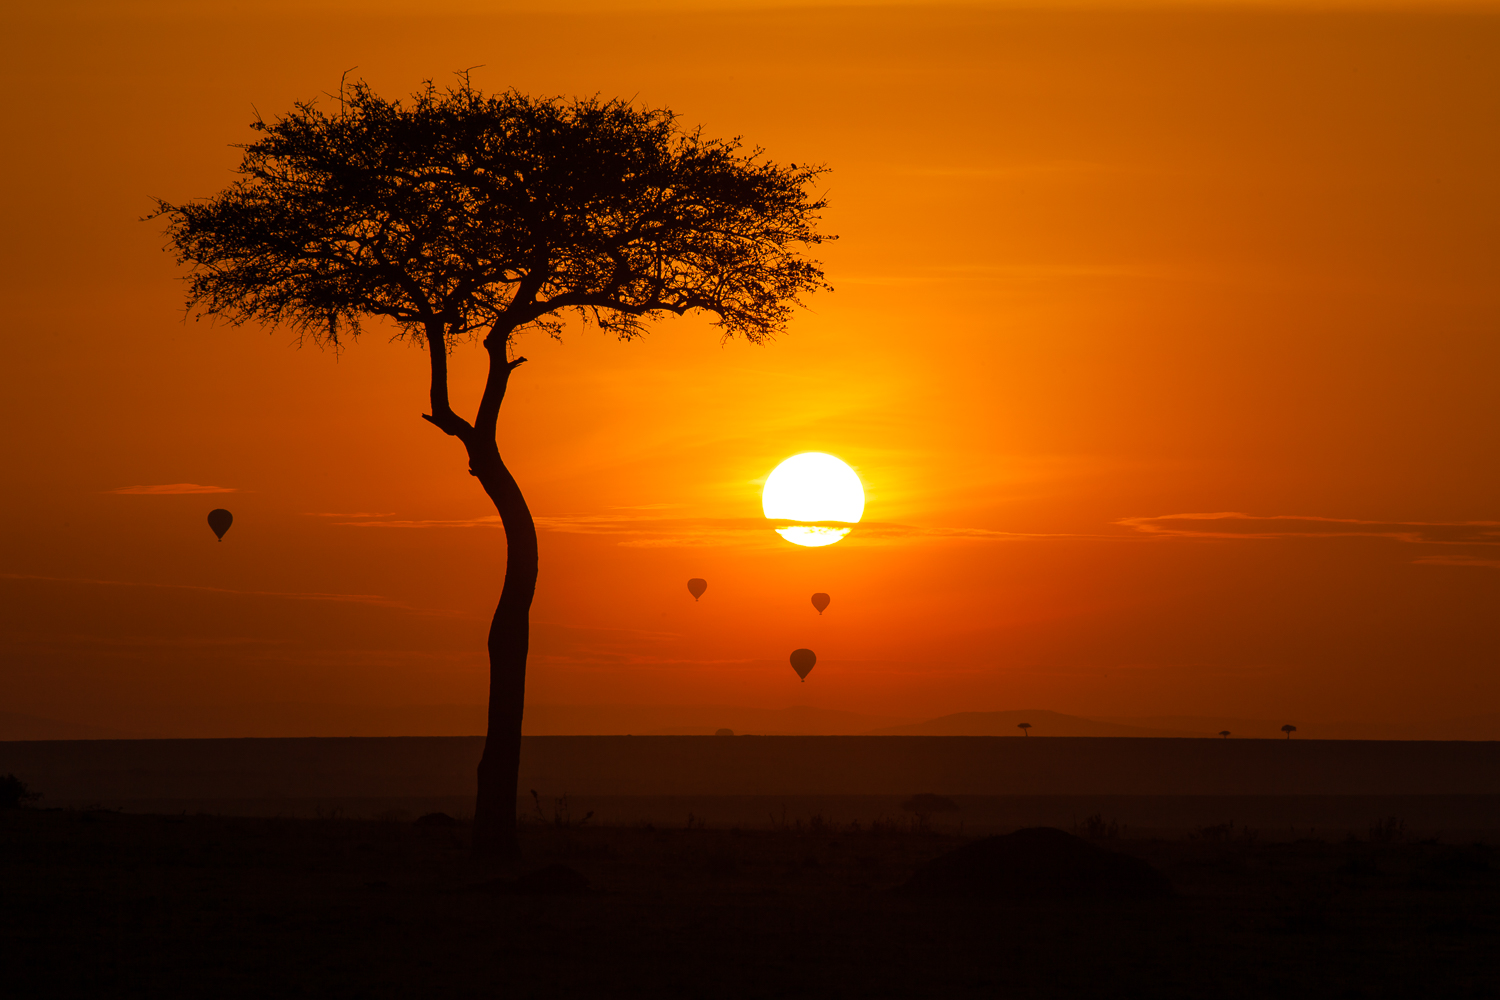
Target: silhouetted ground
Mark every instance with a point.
(104, 904)
(1039, 862)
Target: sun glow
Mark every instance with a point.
(814, 489)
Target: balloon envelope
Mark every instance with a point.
(696, 587)
(220, 519)
(802, 662)
(820, 601)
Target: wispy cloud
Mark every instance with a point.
(375, 599)
(389, 513)
(948, 274)
(156, 641)
(642, 527)
(652, 506)
(1232, 524)
(488, 521)
(1009, 170)
(171, 489)
(640, 531)
(1458, 560)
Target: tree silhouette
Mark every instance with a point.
(14, 792)
(926, 805)
(1224, 733)
(1289, 729)
(460, 217)
(1023, 727)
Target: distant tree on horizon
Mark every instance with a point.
(1289, 729)
(14, 792)
(1024, 727)
(1224, 733)
(458, 217)
(926, 805)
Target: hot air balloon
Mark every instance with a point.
(696, 587)
(820, 601)
(220, 519)
(802, 662)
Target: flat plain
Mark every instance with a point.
(103, 903)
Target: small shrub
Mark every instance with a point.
(14, 793)
(1219, 833)
(562, 813)
(1095, 828)
(926, 805)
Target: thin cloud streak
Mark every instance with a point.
(637, 530)
(1235, 525)
(643, 530)
(1457, 560)
(373, 599)
(489, 521)
(172, 489)
(388, 513)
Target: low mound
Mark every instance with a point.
(1039, 862)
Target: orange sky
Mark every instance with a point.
(1095, 269)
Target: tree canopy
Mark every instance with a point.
(456, 212)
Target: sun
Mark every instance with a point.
(815, 489)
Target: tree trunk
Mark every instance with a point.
(510, 629)
(509, 641)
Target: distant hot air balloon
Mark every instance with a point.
(820, 601)
(696, 587)
(220, 519)
(802, 662)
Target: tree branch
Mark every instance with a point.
(442, 415)
(487, 419)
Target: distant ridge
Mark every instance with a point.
(697, 720)
(1043, 723)
(290, 720)
(15, 726)
(1473, 727)
(1048, 723)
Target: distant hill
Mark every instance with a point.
(1043, 723)
(696, 720)
(1239, 728)
(1476, 727)
(15, 726)
(295, 720)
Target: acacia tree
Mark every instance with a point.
(456, 216)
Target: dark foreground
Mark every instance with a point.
(104, 904)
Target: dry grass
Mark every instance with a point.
(105, 904)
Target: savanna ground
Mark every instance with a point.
(108, 904)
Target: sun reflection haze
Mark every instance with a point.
(817, 488)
